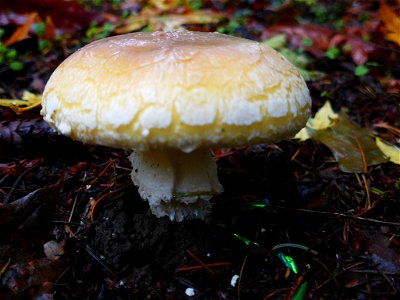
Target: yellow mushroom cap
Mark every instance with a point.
(177, 89)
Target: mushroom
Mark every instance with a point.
(169, 97)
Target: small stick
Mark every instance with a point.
(200, 262)
(190, 268)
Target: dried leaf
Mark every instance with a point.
(165, 4)
(28, 101)
(170, 21)
(391, 23)
(22, 276)
(352, 146)
(31, 209)
(53, 249)
(69, 17)
(21, 32)
(50, 30)
(385, 258)
(390, 151)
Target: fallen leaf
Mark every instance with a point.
(390, 151)
(30, 210)
(391, 22)
(382, 256)
(28, 101)
(13, 132)
(24, 275)
(358, 49)
(69, 17)
(50, 29)
(170, 21)
(323, 119)
(352, 146)
(165, 4)
(296, 34)
(21, 32)
(53, 249)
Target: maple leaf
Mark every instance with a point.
(391, 23)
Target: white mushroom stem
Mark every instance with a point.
(176, 184)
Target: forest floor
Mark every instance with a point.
(316, 218)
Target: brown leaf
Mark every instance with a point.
(391, 22)
(21, 32)
(385, 258)
(32, 209)
(22, 276)
(50, 30)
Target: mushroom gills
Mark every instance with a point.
(176, 184)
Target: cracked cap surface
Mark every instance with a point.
(177, 89)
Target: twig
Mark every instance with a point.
(376, 272)
(199, 261)
(190, 268)
(291, 245)
(241, 276)
(4, 268)
(296, 286)
(339, 215)
(8, 196)
(76, 199)
(98, 176)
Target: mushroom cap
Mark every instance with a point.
(176, 89)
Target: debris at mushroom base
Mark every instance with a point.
(176, 184)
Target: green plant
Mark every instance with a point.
(307, 42)
(9, 56)
(361, 70)
(96, 32)
(332, 53)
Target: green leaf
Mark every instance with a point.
(277, 41)
(16, 66)
(307, 42)
(43, 45)
(39, 28)
(11, 54)
(288, 261)
(361, 70)
(332, 53)
(301, 292)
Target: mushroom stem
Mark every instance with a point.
(176, 184)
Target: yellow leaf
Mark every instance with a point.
(391, 22)
(303, 134)
(324, 118)
(28, 101)
(352, 146)
(391, 151)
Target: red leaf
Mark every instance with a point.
(359, 50)
(67, 16)
(297, 33)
